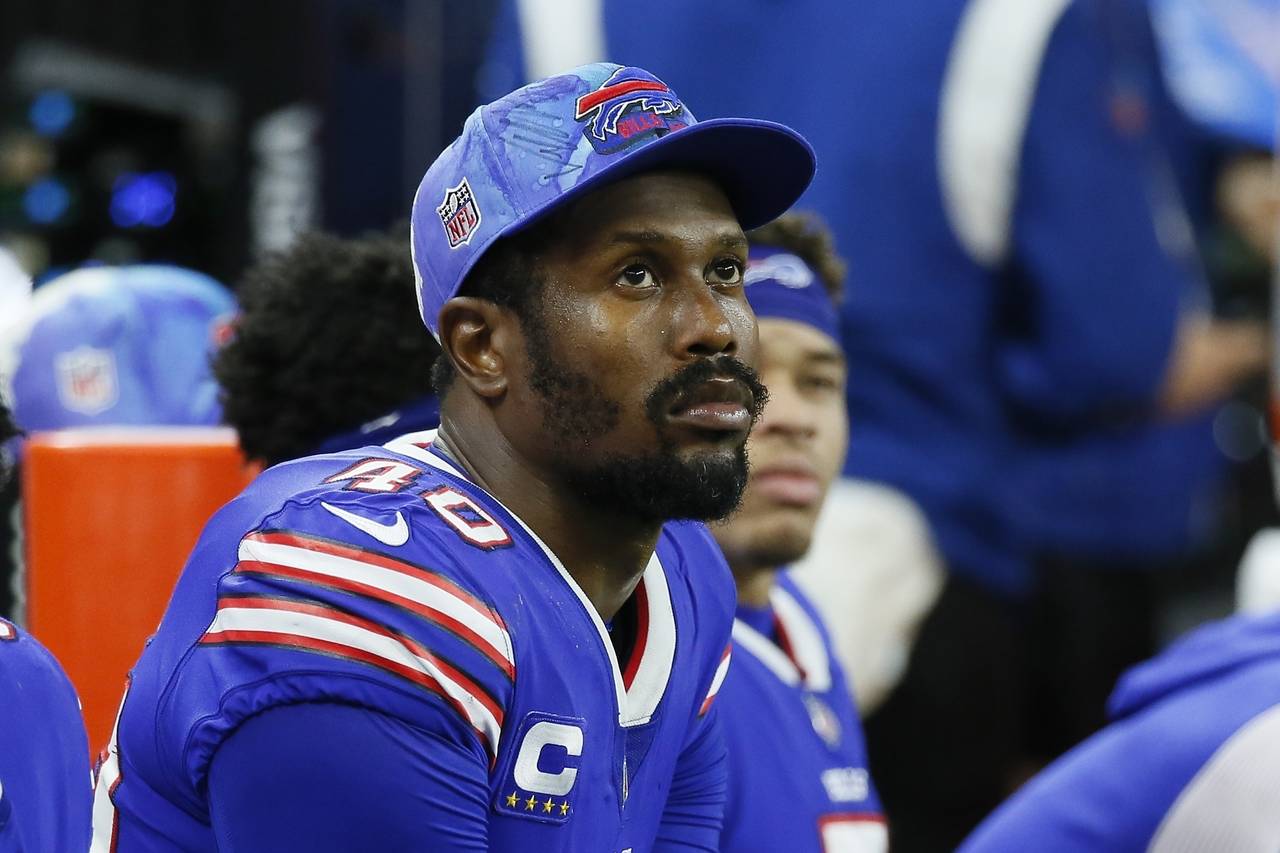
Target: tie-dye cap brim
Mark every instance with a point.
(534, 150)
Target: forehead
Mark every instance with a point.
(790, 342)
(658, 207)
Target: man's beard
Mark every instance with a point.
(654, 486)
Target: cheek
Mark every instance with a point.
(832, 439)
(618, 353)
(746, 331)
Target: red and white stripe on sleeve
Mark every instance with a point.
(426, 649)
(721, 671)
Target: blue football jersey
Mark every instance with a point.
(1190, 761)
(798, 776)
(382, 578)
(45, 791)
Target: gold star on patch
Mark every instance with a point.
(564, 808)
(547, 806)
(530, 803)
(512, 799)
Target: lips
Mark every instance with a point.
(717, 405)
(788, 484)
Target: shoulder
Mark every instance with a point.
(28, 665)
(359, 578)
(44, 752)
(697, 571)
(1208, 748)
(1233, 801)
(691, 554)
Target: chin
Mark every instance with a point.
(771, 542)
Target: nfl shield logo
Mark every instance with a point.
(87, 380)
(825, 722)
(459, 214)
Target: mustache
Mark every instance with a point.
(669, 392)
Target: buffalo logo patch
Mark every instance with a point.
(630, 106)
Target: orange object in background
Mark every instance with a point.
(111, 515)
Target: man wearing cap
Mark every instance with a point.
(798, 777)
(488, 637)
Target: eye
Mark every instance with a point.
(820, 383)
(726, 271)
(637, 276)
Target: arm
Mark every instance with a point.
(694, 813)
(338, 777)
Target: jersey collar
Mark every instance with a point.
(640, 688)
(800, 655)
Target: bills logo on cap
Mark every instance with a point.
(459, 214)
(87, 380)
(631, 105)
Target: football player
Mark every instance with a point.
(798, 772)
(287, 397)
(45, 791)
(488, 637)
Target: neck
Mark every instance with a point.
(604, 552)
(754, 583)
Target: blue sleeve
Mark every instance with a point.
(1102, 292)
(337, 777)
(694, 813)
(1112, 791)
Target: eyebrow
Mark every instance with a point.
(726, 240)
(824, 357)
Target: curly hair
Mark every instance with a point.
(329, 337)
(806, 235)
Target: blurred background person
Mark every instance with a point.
(287, 395)
(798, 775)
(113, 346)
(45, 791)
(1128, 518)
(109, 346)
(1189, 761)
(1000, 172)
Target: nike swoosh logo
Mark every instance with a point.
(394, 534)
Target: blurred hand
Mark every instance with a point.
(1249, 198)
(1210, 359)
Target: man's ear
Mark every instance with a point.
(476, 335)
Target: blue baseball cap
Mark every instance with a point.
(114, 346)
(529, 153)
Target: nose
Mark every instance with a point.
(786, 414)
(707, 323)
